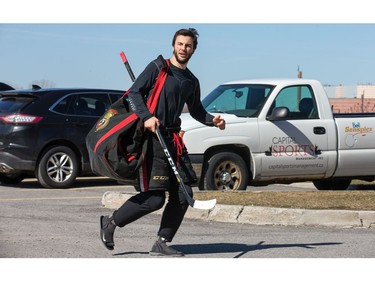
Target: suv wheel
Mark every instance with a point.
(226, 171)
(58, 167)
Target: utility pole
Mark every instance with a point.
(299, 75)
(362, 100)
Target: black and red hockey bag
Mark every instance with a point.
(117, 143)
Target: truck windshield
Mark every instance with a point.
(242, 100)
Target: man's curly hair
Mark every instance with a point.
(191, 32)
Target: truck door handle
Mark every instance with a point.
(319, 130)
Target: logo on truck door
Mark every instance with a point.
(355, 132)
(287, 146)
(357, 129)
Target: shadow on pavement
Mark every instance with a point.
(362, 187)
(242, 248)
(130, 253)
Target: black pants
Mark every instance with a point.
(153, 198)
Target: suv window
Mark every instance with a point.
(115, 97)
(83, 104)
(13, 104)
(63, 105)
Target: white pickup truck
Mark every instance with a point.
(279, 131)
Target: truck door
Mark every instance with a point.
(294, 147)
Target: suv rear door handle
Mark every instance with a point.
(319, 130)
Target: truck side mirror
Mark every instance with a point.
(278, 113)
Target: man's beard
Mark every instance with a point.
(182, 61)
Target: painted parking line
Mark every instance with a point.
(25, 189)
(101, 187)
(49, 198)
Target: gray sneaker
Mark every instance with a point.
(107, 229)
(160, 248)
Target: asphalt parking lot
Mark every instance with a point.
(64, 223)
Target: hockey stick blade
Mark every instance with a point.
(204, 205)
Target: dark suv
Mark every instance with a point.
(43, 132)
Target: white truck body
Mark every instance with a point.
(320, 147)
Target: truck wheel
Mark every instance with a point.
(226, 171)
(58, 167)
(11, 178)
(332, 184)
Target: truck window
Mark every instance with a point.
(229, 99)
(299, 100)
(238, 99)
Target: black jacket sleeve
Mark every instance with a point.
(196, 108)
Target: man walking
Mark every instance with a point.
(156, 176)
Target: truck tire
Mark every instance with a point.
(58, 167)
(332, 184)
(226, 171)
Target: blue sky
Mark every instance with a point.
(87, 54)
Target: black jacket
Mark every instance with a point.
(180, 87)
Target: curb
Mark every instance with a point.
(264, 215)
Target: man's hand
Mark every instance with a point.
(219, 122)
(152, 123)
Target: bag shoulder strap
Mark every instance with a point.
(164, 64)
(151, 102)
(161, 62)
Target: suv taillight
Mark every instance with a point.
(21, 118)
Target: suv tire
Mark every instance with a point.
(58, 167)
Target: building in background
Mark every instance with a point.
(349, 99)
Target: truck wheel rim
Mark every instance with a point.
(227, 176)
(59, 167)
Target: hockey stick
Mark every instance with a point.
(206, 204)
(127, 65)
